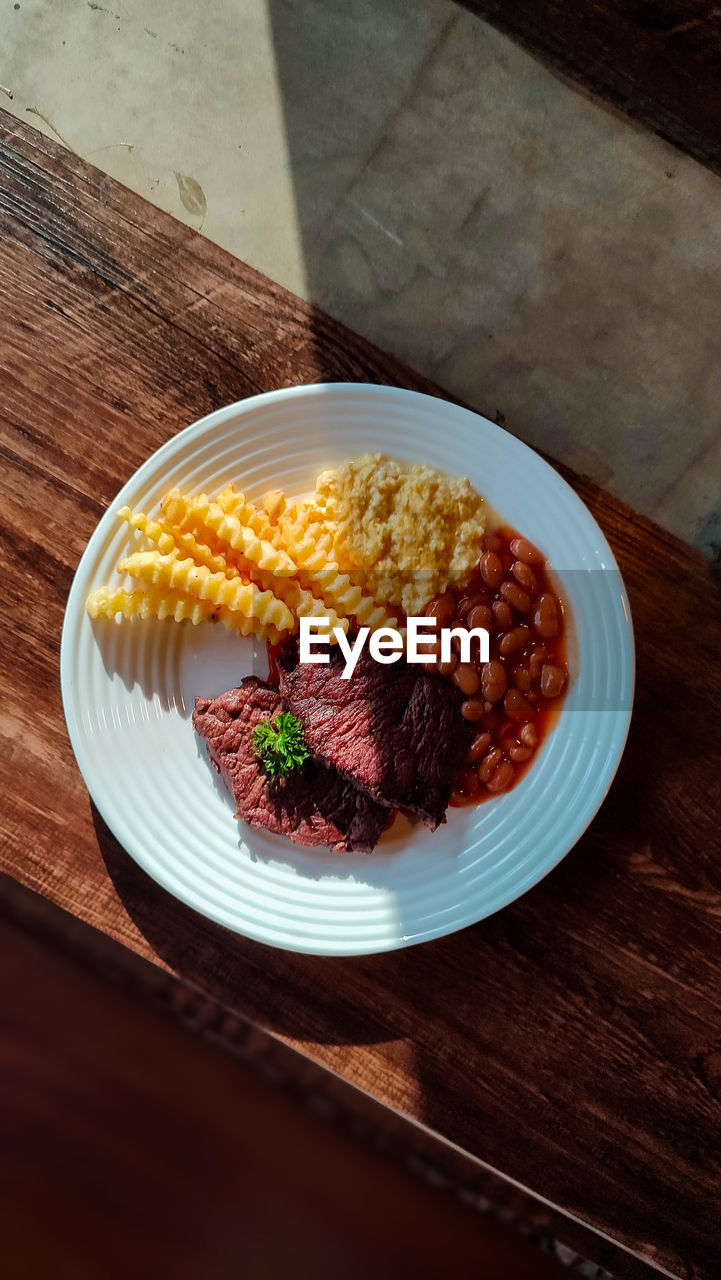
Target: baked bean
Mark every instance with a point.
(467, 603)
(525, 551)
(494, 681)
(480, 616)
(545, 617)
(516, 596)
(447, 668)
(522, 678)
(515, 705)
(506, 700)
(525, 576)
(479, 746)
(502, 614)
(537, 659)
(489, 763)
(552, 680)
(515, 640)
(468, 781)
(493, 542)
(491, 569)
(442, 608)
(429, 665)
(431, 650)
(501, 778)
(467, 678)
(457, 643)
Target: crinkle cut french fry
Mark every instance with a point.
(325, 579)
(167, 539)
(204, 546)
(153, 529)
(306, 552)
(248, 626)
(300, 601)
(304, 516)
(273, 504)
(299, 518)
(299, 598)
(197, 580)
(311, 511)
(235, 503)
(149, 603)
(182, 510)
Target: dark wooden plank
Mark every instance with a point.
(574, 1041)
(656, 60)
(130, 1148)
(352, 1113)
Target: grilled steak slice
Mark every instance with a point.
(312, 806)
(390, 729)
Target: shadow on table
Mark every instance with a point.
(328, 1000)
(516, 1025)
(375, 999)
(520, 1044)
(217, 961)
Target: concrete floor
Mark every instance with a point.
(419, 176)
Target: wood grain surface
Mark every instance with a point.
(573, 1041)
(656, 60)
(93, 1079)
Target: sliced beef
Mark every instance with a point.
(312, 806)
(390, 729)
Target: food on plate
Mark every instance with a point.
(392, 730)
(313, 805)
(280, 744)
(318, 587)
(274, 504)
(311, 547)
(513, 699)
(151, 603)
(227, 554)
(234, 594)
(202, 515)
(327, 756)
(169, 537)
(408, 529)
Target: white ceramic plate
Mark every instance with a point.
(128, 690)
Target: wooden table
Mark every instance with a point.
(571, 1042)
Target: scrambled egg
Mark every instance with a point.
(402, 530)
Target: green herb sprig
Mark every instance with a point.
(280, 745)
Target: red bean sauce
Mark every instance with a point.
(273, 651)
(514, 698)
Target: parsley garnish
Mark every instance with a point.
(280, 746)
